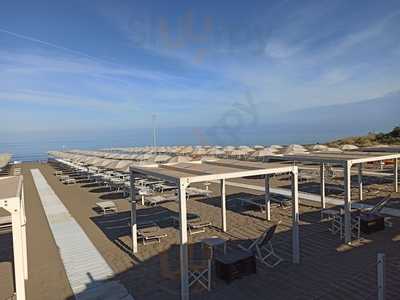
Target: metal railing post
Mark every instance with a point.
(381, 275)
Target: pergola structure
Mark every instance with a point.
(12, 200)
(346, 160)
(184, 174)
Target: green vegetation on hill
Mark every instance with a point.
(371, 139)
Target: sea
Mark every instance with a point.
(33, 146)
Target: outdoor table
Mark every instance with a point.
(235, 264)
(214, 242)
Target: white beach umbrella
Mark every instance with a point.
(123, 164)
(228, 148)
(176, 159)
(215, 152)
(262, 153)
(319, 147)
(99, 162)
(258, 147)
(332, 149)
(5, 158)
(112, 164)
(277, 147)
(186, 150)
(274, 150)
(294, 149)
(161, 158)
(199, 151)
(244, 147)
(93, 160)
(348, 147)
(238, 152)
(209, 158)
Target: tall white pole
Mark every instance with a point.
(154, 133)
(267, 197)
(360, 182)
(18, 254)
(223, 204)
(347, 203)
(183, 239)
(396, 174)
(322, 175)
(133, 215)
(295, 216)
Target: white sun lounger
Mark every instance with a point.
(5, 223)
(192, 191)
(107, 207)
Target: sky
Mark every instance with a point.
(74, 65)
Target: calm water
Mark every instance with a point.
(34, 146)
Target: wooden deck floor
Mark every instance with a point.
(328, 270)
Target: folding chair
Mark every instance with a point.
(200, 272)
(263, 249)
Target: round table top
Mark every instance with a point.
(213, 241)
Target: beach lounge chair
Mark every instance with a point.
(156, 200)
(107, 207)
(307, 175)
(5, 223)
(195, 227)
(69, 181)
(263, 249)
(193, 192)
(149, 233)
(281, 201)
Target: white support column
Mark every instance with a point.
(295, 216)
(19, 259)
(267, 198)
(24, 245)
(322, 176)
(133, 215)
(396, 174)
(360, 182)
(347, 203)
(183, 240)
(23, 234)
(223, 204)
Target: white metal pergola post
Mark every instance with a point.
(322, 177)
(295, 216)
(347, 202)
(396, 175)
(223, 204)
(133, 215)
(183, 239)
(267, 198)
(360, 182)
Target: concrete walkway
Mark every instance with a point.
(88, 273)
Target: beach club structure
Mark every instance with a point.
(156, 185)
(184, 174)
(346, 160)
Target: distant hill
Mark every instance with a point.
(371, 139)
(327, 123)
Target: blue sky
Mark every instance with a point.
(112, 64)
